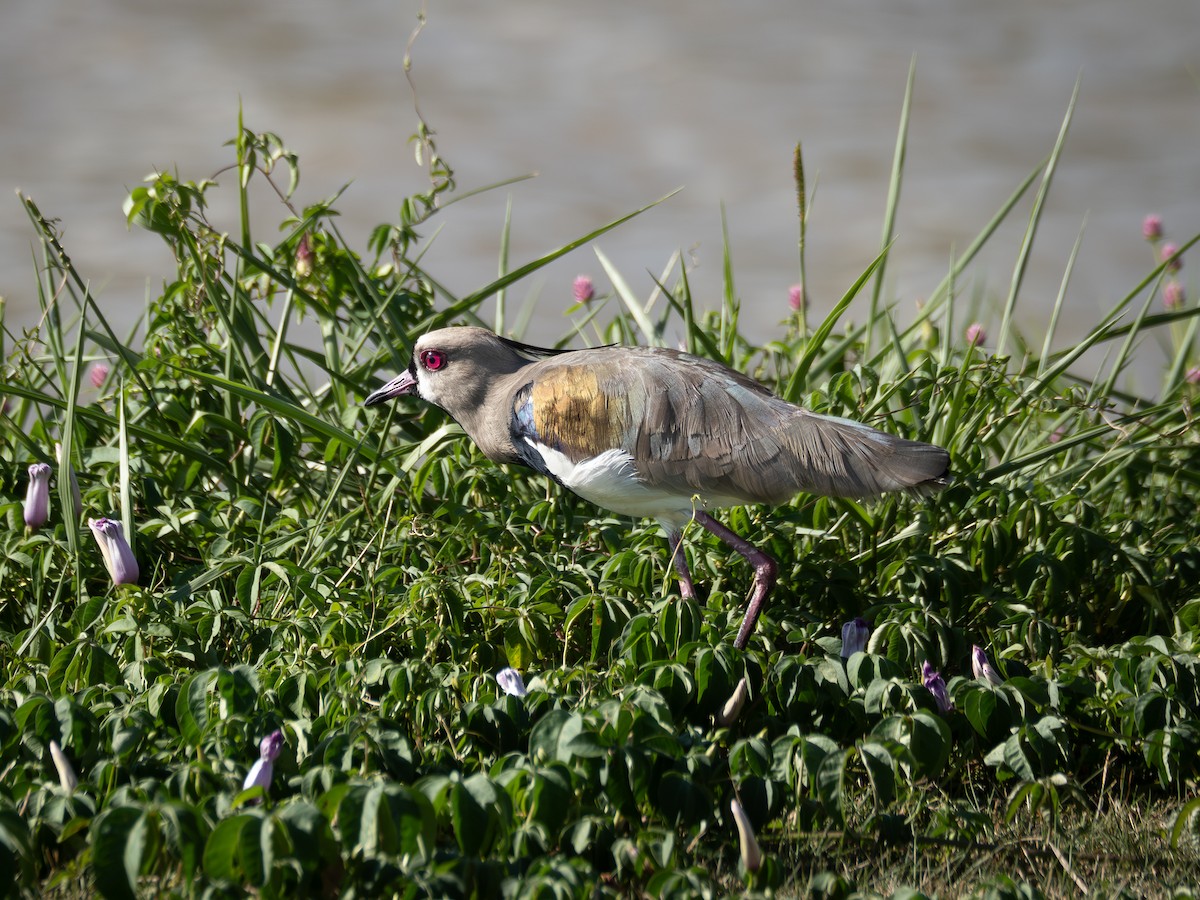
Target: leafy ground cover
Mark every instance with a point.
(356, 581)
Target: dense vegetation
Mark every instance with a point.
(357, 580)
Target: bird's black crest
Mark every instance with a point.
(532, 353)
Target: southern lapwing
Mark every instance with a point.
(658, 433)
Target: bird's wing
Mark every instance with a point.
(693, 426)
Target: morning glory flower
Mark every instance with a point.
(37, 497)
(304, 257)
(733, 706)
(264, 767)
(66, 774)
(118, 556)
(511, 682)
(747, 842)
(936, 685)
(854, 637)
(982, 666)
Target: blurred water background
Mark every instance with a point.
(613, 105)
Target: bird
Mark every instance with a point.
(653, 432)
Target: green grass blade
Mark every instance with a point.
(124, 480)
(893, 201)
(502, 293)
(473, 300)
(1059, 300)
(1035, 216)
(814, 344)
(632, 304)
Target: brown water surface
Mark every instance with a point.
(615, 104)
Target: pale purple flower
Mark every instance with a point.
(1169, 250)
(975, 334)
(1058, 434)
(118, 556)
(854, 637)
(98, 373)
(1173, 295)
(747, 843)
(584, 289)
(264, 767)
(796, 297)
(936, 685)
(511, 682)
(1193, 375)
(733, 706)
(982, 666)
(1152, 227)
(66, 774)
(37, 497)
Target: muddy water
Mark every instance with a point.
(614, 104)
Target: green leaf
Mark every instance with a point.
(474, 811)
(221, 850)
(682, 801)
(117, 842)
(930, 743)
(1017, 758)
(254, 851)
(881, 771)
(519, 654)
(830, 782)
(1187, 819)
(191, 706)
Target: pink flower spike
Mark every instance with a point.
(1193, 375)
(1173, 295)
(98, 374)
(1169, 250)
(975, 334)
(584, 289)
(118, 556)
(37, 497)
(981, 666)
(796, 297)
(1152, 228)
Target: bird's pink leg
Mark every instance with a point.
(686, 588)
(765, 570)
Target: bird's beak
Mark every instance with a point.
(403, 385)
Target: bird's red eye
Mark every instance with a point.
(433, 359)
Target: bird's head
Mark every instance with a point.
(455, 368)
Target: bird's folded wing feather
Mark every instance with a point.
(696, 427)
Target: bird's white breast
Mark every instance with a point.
(610, 480)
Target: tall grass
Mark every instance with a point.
(357, 579)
